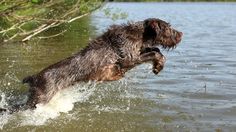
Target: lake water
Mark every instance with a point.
(196, 91)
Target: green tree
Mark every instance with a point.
(22, 19)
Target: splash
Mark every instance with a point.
(62, 102)
(5, 117)
(3, 101)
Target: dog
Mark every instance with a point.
(106, 58)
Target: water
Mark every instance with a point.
(196, 91)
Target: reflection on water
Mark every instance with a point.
(195, 92)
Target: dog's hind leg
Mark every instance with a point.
(37, 95)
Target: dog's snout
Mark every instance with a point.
(181, 34)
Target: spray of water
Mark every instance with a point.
(62, 102)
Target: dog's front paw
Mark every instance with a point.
(158, 65)
(156, 70)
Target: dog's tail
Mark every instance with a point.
(29, 80)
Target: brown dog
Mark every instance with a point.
(106, 58)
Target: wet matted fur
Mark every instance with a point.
(106, 58)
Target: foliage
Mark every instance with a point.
(115, 14)
(175, 0)
(25, 19)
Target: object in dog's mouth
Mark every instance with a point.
(106, 58)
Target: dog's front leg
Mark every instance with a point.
(157, 59)
(158, 64)
(151, 56)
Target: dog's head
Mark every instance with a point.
(159, 32)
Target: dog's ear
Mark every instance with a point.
(151, 28)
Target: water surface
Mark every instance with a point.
(196, 91)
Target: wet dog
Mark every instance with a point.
(106, 58)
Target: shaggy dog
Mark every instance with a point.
(106, 58)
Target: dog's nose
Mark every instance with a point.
(181, 34)
(179, 37)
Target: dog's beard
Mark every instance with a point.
(168, 47)
(164, 44)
